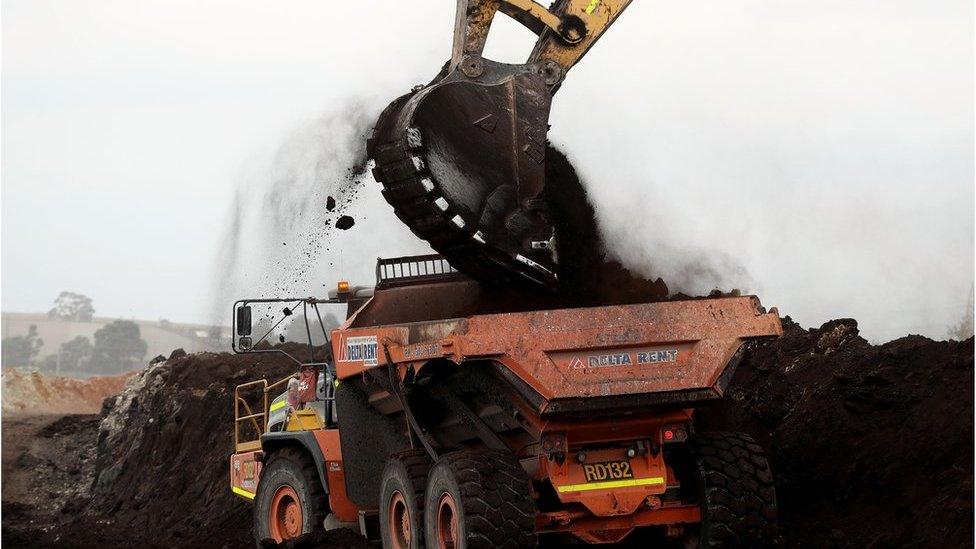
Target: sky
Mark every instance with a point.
(817, 154)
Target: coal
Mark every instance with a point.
(330, 203)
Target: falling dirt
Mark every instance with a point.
(345, 223)
(586, 277)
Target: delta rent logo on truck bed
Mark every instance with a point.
(359, 348)
(626, 359)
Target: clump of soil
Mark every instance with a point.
(872, 446)
(344, 223)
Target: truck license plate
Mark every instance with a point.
(608, 470)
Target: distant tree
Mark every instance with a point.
(118, 347)
(165, 324)
(72, 306)
(75, 353)
(21, 350)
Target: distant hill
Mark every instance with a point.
(161, 336)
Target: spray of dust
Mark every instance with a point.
(282, 239)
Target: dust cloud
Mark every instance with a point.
(307, 215)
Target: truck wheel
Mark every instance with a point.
(290, 500)
(738, 498)
(402, 500)
(479, 499)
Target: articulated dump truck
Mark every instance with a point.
(453, 417)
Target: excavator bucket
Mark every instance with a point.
(463, 165)
(462, 159)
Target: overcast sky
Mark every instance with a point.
(818, 154)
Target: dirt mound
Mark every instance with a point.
(157, 462)
(872, 446)
(163, 447)
(34, 393)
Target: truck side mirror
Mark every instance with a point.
(244, 320)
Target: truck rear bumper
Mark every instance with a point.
(593, 529)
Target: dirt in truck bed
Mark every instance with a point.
(870, 445)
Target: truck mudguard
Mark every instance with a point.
(304, 439)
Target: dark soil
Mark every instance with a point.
(872, 446)
(48, 463)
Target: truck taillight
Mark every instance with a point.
(674, 433)
(553, 443)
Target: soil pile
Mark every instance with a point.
(155, 462)
(163, 447)
(872, 446)
(34, 393)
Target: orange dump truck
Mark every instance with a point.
(438, 425)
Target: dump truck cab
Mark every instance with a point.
(458, 414)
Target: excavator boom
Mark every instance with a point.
(462, 159)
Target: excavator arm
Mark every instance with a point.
(462, 159)
(566, 31)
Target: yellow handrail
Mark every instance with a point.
(238, 418)
(259, 428)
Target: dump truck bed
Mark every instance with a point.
(564, 360)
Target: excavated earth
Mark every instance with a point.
(872, 446)
(29, 392)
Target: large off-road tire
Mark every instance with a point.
(738, 497)
(401, 506)
(290, 500)
(479, 499)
